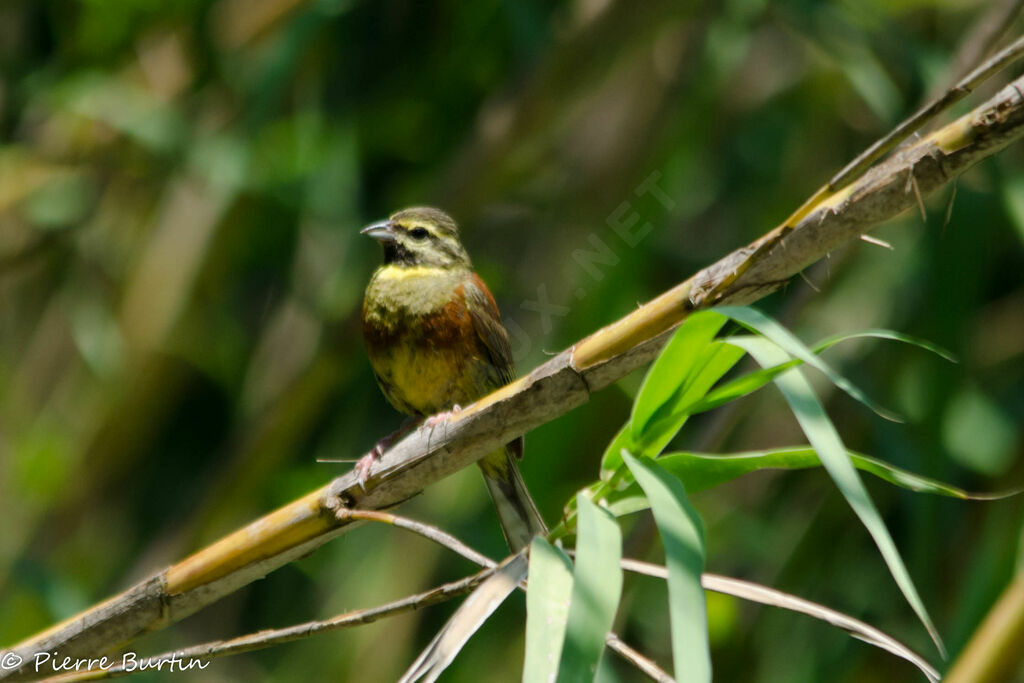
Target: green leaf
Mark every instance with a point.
(673, 366)
(880, 333)
(547, 610)
(826, 442)
(596, 588)
(468, 618)
(751, 382)
(624, 502)
(701, 471)
(740, 387)
(682, 534)
(696, 398)
(688, 365)
(714, 361)
(612, 458)
(758, 322)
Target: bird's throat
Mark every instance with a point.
(397, 291)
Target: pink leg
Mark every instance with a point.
(364, 463)
(435, 420)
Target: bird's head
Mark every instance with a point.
(420, 236)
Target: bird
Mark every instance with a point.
(436, 342)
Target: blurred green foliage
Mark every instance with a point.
(181, 187)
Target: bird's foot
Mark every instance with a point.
(435, 420)
(364, 463)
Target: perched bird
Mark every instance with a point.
(436, 341)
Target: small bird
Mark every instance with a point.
(436, 342)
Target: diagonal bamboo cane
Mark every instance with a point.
(552, 389)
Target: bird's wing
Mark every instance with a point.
(487, 322)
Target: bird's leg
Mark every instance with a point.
(435, 420)
(364, 463)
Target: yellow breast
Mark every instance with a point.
(421, 340)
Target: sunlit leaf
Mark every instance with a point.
(682, 535)
(674, 366)
(880, 333)
(739, 387)
(597, 586)
(752, 381)
(700, 471)
(770, 329)
(547, 610)
(825, 439)
(612, 458)
(715, 360)
(467, 620)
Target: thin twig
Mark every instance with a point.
(764, 595)
(979, 42)
(960, 90)
(256, 641)
(645, 665)
(856, 168)
(949, 208)
(264, 639)
(435, 534)
(870, 239)
(427, 531)
(742, 589)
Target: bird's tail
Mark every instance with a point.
(520, 520)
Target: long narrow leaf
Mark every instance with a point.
(825, 439)
(612, 458)
(547, 610)
(597, 586)
(715, 360)
(698, 399)
(700, 471)
(674, 364)
(752, 381)
(764, 595)
(880, 333)
(758, 322)
(467, 620)
(754, 592)
(682, 534)
(740, 387)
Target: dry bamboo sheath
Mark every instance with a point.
(551, 390)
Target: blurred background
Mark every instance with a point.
(181, 188)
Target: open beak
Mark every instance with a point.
(383, 231)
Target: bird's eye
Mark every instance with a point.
(419, 233)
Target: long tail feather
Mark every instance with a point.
(520, 520)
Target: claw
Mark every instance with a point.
(364, 464)
(435, 420)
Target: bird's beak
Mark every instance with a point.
(383, 231)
